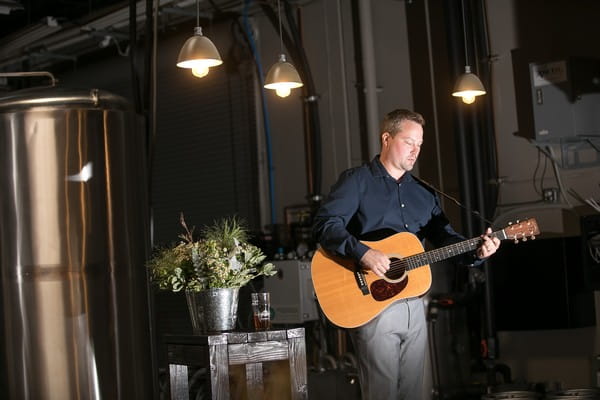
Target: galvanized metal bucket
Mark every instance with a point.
(213, 310)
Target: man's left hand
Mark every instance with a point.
(489, 245)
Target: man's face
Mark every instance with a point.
(401, 151)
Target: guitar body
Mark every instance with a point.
(340, 296)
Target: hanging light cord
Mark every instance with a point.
(198, 13)
(280, 31)
(462, 6)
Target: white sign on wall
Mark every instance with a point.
(549, 73)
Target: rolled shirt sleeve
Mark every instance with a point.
(336, 213)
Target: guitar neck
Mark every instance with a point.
(449, 251)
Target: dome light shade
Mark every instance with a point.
(282, 77)
(199, 53)
(468, 86)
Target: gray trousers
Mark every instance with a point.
(391, 352)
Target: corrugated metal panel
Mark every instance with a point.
(205, 163)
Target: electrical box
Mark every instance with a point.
(293, 299)
(566, 99)
(559, 99)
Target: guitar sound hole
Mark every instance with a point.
(396, 270)
(382, 290)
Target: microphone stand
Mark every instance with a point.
(458, 203)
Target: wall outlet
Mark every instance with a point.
(551, 195)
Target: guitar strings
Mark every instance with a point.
(421, 259)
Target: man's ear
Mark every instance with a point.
(385, 137)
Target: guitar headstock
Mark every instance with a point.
(522, 230)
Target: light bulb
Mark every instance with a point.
(283, 91)
(200, 71)
(468, 99)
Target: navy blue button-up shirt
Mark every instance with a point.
(367, 203)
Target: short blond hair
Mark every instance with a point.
(392, 120)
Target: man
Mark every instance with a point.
(384, 196)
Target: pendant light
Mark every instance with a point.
(282, 77)
(198, 52)
(468, 86)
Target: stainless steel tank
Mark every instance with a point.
(73, 242)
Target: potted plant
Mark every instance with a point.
(210, 271)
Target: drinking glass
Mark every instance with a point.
(261, 309)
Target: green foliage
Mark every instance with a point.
(223, 258)
(226, 231)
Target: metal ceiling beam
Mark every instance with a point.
(59, 39)
(72, 40)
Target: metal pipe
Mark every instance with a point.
(360, 85)
(483, 53)
(370, 79)
(436, 128)
(313, 126)
(344, 89)
(29, 74)
(478, 154)
(455, 48)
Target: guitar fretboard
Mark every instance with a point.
(443, 253)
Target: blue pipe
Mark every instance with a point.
(265, 112)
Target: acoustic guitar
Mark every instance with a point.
(350, 296)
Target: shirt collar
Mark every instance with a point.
(379, 171)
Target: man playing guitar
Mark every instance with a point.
(383, 196)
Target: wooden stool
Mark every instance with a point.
(219, 351)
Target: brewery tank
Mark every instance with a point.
(73, 242)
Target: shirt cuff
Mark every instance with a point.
(360, 251)
(476, 261)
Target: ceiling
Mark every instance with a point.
(47, 31)
(35, 11)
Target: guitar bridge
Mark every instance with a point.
(361, 281)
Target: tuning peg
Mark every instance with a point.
(532, 237)
(510, 223)
(516, 240)
(524, 238)
(518, 221)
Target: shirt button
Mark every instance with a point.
(402, 205)
(406, 226)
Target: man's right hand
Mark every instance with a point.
(376, 261)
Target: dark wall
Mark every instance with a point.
(542, 284)
(558, 27)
